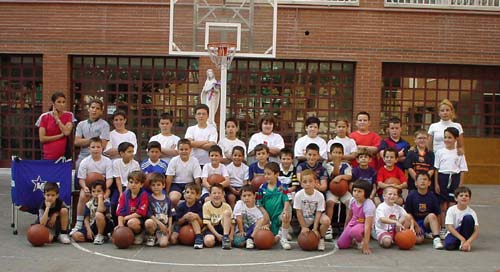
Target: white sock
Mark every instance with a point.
(79, 221)
(284, 233)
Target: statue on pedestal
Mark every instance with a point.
(210, 95)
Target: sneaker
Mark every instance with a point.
(436, 243)
(73, 231)
(321, 244)
(285, 244)
(138, 239)
(99, 239)
(198, 242)
(226, 243)
(442, 233)
(329, 233)
(64, 238)
(250, 243)
(151, 240)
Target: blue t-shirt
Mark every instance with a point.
(318, 169)
(369, 174)
(148, 167)
(161, 209)
(183, 208)
(419, 206)
(254, 170)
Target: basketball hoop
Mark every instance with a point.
(221, 53)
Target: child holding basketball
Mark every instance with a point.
(231, 141)
(390, 170)
(359, 219)
(238, 175)
(97, 221)
(190, 212)
(133, 205)
(159, 224)
(461, 222)
(274, 202)
(214, 167)
(261, 152)
(54, 214)
(249, 218)
(309, 205)
(217, 216)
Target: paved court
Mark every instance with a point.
(16, 254)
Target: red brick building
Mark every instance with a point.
(334, 58)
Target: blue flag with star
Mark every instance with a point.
(29, 178)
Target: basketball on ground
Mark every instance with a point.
(38, 235)
(308, 241)
(339, 188)
(93, 176)
(263, 239)
(123, 237)
(257, 181)
(405, 239)
(187, 235)
(215, 178)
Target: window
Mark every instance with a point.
(413, 91)
(21, 105)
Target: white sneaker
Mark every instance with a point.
(73, 231)
(250, 243)
(329, 233)
(442, 233)
(99, 239)
(436, 243)
(321, 244)
(151, 240)
(138, 239)
(64, 238)
(285, 244)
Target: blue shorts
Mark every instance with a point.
(178, 187)
(217, 228)
(448, 183)
(422, 226)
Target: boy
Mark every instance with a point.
(262, 156)
(95, 163)
(312, 128)
(154, 164)
(419, 159)
(238, 175)
(313, 163)
(190, 212)
(121, 168)
(54, 214)
(364, 172)
(217, 218)
(119, 135)
(390, 170)
(230, 141)
(390, 218)
(364, 138)
(249, 219)
(133, 205)
(288, 173)
(182, 169)
(423, 206)
(202, 135)
(395, 141)
(167, 140)
(97, 222)
(159, 224)
(214, 167)
(309, 205)
(274, 203)
(461, 222)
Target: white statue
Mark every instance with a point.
(210, 95)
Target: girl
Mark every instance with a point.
(118, 135)
(359, 218)
(54, 128)
(436, 130)
(450, 167)
(238, 173)
(266, 136)
(349, 144)
(230, 141)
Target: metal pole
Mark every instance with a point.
(223, 83)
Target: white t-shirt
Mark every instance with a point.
(196, 133)
(169, 142)
(348, 144)
(272, 140)
(184, 172)
(309, 204)
(436, 130)
(447, 161)
(249, 215)
(209, 170)
(304, 141)
(102, 166)
(115, 139)
(121, 170)
(227, 147)
(393, 212)
(237, 175)
(454, 216)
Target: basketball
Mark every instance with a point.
(392, 181)
(263, 239)
(123, 237)
(93, 176)
(405, 239)
(257, 181)
(186, 235)
(339, 188)
(308, 241)
(215, 178)
(38, 235)
(239, 241)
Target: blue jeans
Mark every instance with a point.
(466, 230)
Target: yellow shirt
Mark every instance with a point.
(214, 215)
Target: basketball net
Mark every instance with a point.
(221, 53)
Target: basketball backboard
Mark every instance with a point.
(249, 24)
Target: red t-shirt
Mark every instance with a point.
(369, 139)
(55, 149)
(384, 174)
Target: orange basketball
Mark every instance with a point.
(257, 181)
(264, 239)
(392, 181)
(123, 237)
(186, 235)
(308, 241)
(405, 239)
(93, 176)
(215, 178)
(339, 188)
(38, 235)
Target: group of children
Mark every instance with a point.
(180, 190)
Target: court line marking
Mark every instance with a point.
(77, 246)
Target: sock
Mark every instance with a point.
(225, 235)
(284, 233)
(63, 231)
(79, 221)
